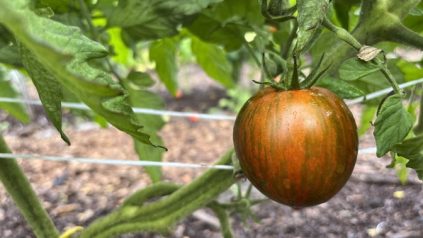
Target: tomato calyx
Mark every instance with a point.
(315, 74)
(275, 66)
(273, 84)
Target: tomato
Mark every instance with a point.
(298, 147)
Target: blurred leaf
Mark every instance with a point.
(401, 168)
(9, 52)
(16, 110)
(412, 149)
(225, 23)
(414, 19)
(325, 41)
(140, 79)
(48, 88)
(392, 124)
(411, 71)
(211, 30)
(66, 53)
(341, 88)
(101, 121)
(342, 9)
(367, 114)
(58, 6)
(310, 17)
(353, 69)
(145, 99)
(163, 53)
(122, 54)
(154, 19)
(416, 11)
(213, 60)
(247, 10)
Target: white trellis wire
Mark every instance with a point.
(202, 115)
(81, 106)
(382, 92)
(107, 161)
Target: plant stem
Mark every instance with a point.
(419, 127)
(19, 188)
(384, 69)
(288, 48)
(159, 216)
(86, 14)
(223, 217)
(401, 34)
(295, 83)
(94, 34)
(254, 56)
(342, 34)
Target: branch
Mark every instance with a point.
(342, 34)
(404, 35)
(160, 215)
(19, 188)
(223, 217)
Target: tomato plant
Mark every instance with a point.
(103, 54)
(298, 147)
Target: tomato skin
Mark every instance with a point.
(297, 147)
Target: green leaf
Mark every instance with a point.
(140, 79)
(226, 23)
(9, 52)
(410, 70)
(48, 88)
(311, 14)
(354, 68)
(341, 88)
(401, 168)
(409, 148)
(416, 11)
(392, 125)
(154, 19)
(146, 99)
(16, 110)
(59, 6)
(367, 114)
(342, 10)
(227, 34)
(66, 52)
(412, 149)
(122, 54)
(213, 60)
(163, 53)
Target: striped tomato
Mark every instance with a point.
(298, 147)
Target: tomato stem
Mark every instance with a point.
(20, 190)
(160, 215)
(342, 34)
(419, 127)
(295, 83)
(403, 35)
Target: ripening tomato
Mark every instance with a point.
(298, 147)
